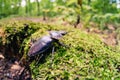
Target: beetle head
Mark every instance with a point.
(62, 32)
(57, 34)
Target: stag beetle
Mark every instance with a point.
(46, 42)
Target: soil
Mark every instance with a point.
(12, 70)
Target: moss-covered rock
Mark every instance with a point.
(86, 58)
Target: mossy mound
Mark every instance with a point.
(86, 58)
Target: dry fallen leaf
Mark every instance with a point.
(1, 56)
(15, 67)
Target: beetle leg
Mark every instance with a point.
(62, 44)
(53, 48)
(38, 59)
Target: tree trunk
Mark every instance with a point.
(19, 3)
(26, 10)
(38, 8)
(79, 2)
(29, 7)
(78, 21)
(89, 1)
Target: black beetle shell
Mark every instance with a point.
(40, 46)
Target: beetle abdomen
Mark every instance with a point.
(40, 46)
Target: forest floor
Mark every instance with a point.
(107, 36)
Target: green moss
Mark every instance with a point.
(87, 58)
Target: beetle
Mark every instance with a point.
(46, 42)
